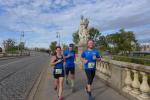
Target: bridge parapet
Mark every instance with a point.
(131, 80)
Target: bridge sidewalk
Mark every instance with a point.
(100, 90)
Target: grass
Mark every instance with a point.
(144, 60)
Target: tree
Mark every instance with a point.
(75, 36)
(122, 41)
(9, 45)
(94, 34)
(53, 45)
(21, 45)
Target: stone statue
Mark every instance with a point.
(83, 31)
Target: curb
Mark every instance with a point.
(36, 84)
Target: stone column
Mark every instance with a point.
(145, 88)
(128, 81)
(135, 84)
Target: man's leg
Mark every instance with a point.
(90, 76)
(66, 76)
(72, 71)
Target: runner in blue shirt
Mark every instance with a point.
(69, 56)
(57, 60)
(89, 58)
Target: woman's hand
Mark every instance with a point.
(59, 61)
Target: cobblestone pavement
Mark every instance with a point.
(17, 76)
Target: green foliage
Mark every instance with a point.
(53, 45)
(21, 46)
(132, 60)
(10, 45)
(122, 41)
(75, 36)
(94, 34)
(147, 56)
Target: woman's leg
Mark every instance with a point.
(56, 83)
(60, 91)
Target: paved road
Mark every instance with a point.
(100, 90)
(18, 75)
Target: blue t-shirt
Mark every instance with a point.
(70, 61)
(88, 55)
(59, 65)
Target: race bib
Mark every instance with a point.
(91, 65)
(58, 71)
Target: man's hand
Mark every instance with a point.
(68, 56)
(94, 57)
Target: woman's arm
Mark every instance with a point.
(53, 61)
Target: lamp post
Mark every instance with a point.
(58, 36)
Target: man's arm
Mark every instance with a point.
(83, 58)
(66, 55)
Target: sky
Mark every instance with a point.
(42, 19)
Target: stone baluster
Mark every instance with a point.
(98, 65)
(145, 88)
(104, 68)
(135, 84)
(128, 80)
(101, 66)
(108, 68)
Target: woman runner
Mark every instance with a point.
(58, 61)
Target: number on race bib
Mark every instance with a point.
(58, 71)
(91, 65)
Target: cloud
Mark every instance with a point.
(46, 17)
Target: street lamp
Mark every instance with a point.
(58, 36)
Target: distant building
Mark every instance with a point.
(145, 47)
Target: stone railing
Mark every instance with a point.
(14, 54)
(130, 80)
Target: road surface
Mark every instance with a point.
(18, 75)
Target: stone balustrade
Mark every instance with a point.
(14, 55)
(131, 80)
